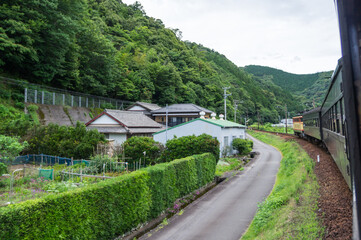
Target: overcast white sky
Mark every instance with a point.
(297, 36)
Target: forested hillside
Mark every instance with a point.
(107, 48)
(310, 89)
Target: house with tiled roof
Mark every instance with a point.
(120, 125)
(225, 132)
(143, 107)
(179, 113)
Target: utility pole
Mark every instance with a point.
(235, 109)
(286, 116)
(166, 123)
(225, 101)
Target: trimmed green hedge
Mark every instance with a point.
(109, 208)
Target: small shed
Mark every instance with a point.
(120, 125)
(225, 131)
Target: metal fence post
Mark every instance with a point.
(36, 96)
(79, 101)
(63, 99)
(42, 97)
(72, 100)
(86, 104)
(53, 98)
(26, 95)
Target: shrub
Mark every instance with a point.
(10, 147)
(20, 105)
(32, 108)
(66, 141)
(135, 147)
(3, 168)
(190, 145)
(14, 122)
(243, 146)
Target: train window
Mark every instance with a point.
(333, 119)
(330, 119)
(337, 113)
(342, 116)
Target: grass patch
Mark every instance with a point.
(268, 127)
(289, 212)
(227, 164)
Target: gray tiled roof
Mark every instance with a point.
(148, 106)
(133, 119)
(182, 108)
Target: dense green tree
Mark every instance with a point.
(108, 48)
(63, 141)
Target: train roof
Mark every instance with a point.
(333, 79)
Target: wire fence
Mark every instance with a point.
(35, 93)
(37, 159)
(67, 168)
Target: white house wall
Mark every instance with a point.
(104, 120)
(137, 108)
(118, 138)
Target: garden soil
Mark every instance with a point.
(335, 203)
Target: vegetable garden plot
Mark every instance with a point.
(53, 175)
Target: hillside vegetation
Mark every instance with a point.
(108, 48)
(310, 89)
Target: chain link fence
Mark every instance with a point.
(35, 93)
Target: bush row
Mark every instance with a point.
(109, 208)
(135, 147)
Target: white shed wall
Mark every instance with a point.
(199, 127)
(231, 133)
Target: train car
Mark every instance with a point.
(312, 124)
(298, 125)
(333, 123)
(349, 16)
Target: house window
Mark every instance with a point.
(225, 141)
(106, 135)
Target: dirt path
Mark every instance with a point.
(335, 201)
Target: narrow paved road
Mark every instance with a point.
(225, 212)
